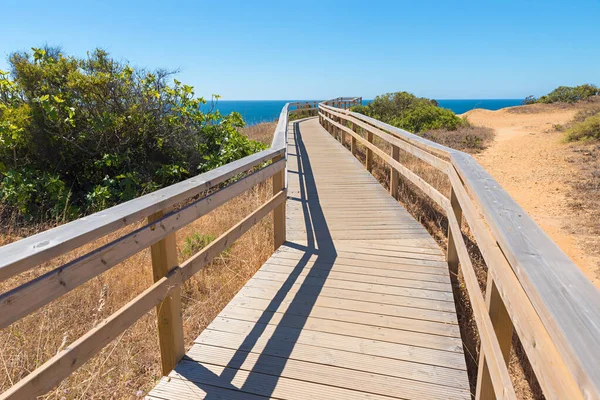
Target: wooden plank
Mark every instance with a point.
(504, 332)
(260, 384)
(179, 389)
(324, 374)
(329, 300)
(452, 252)
(359, 286)
(406, 253)
(391, 335)
(303, 309)
(329, 274)
(369, 156)
(394, 177)
(355, 361)
(397, 351)
(362, 259)
(279, 220)
(399, 299)
(357, 273)
(168, 312)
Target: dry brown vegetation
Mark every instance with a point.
(129, 366)
(471, 139)
(584, 194)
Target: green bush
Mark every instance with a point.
(567, 94)
(405, 110)
(588, 129)
(195, 243)
(81, 134)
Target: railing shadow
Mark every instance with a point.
(265, 374)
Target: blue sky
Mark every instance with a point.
(316, 50)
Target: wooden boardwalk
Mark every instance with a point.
(357, 304)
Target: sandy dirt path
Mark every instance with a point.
(529, 160)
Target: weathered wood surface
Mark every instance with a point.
(356, 304)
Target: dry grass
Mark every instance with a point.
(130, 365)
(262, 132)
(584, 196)
(472, 139)
(434, 220)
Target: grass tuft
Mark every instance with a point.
(585, 127)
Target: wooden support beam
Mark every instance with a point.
(394, 176)
(353, 141)
(504, 332)
(279, 211)
(451, 254)
(168, 312)
(369, 159)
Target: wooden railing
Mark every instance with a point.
(163, 221)
(303, 109)
(533, 288)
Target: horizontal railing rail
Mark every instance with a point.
(304, 109)
(533, 288)
(163, 221)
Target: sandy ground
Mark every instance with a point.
(529, 160)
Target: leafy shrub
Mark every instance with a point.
(567, 94)
(529, 100)
(405, 110)
(588, 129)
(195, 243)
(81, 134)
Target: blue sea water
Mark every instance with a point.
(256, 111)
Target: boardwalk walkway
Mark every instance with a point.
(356, 305)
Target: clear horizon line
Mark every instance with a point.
(433, 98)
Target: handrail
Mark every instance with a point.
(159, 235)
(533, 286)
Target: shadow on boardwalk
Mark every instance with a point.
(283, 340)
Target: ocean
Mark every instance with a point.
(256, 111)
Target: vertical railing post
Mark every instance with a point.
(394, 176)
(343, 132)
(369, 157)
(353, 140)
(503, 328)
(279, 211)
(452, 254)
(168, 312)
